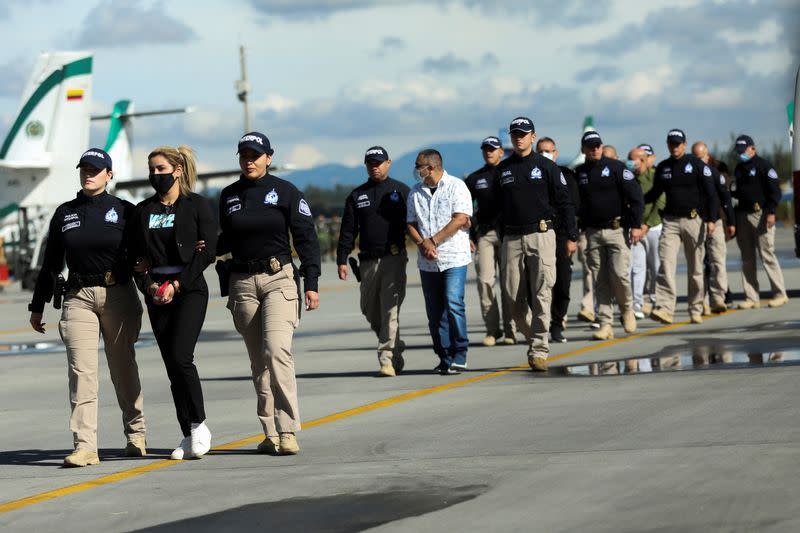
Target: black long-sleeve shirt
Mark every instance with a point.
(529, 189)
(608, 190)
(256, 217)
(89, 232)
(167, 236)
(757, 183)
(481, 186)
(723, 197)
(375, 212)
(687, 182)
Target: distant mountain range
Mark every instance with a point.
(460, 158)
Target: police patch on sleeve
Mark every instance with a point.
(303, 208)
(627, 174)
(563, 179)
(772, 174)
(707, 172)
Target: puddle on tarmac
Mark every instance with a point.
(54, 347)
(341, 512)
(698, 358)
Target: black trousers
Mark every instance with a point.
(560, 302)
(176, 327)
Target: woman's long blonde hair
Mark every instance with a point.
(183, 157)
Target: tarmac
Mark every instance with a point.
(704, 437)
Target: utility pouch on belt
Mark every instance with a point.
(356, 269)
(59, 291)
(223, 269)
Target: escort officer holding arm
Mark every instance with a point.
(258, 213)
(375, 213)
(100, 299)
(486, 241)
(758, 193)
(691, 201)
(531, 191)
(716, 247)
(558, 308)
(611, 202)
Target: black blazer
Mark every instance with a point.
(195, 222)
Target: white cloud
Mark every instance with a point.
(768, 32)
(389, 95)
(275, 102)
(719, 97)
(304, 156)
(639, 85)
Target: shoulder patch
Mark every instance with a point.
(707, 171)
(303, 208)
(772, 174)
(627, 174)
(70, 226)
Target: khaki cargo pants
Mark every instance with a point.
(116, 314)
(751, 235)
(717, 251)
(531, 269)
(691, 232)
(383, 289)
(487, 260)
(609, 260)
(265, 309)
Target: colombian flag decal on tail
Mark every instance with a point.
(74, 94)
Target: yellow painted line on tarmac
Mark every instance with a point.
(388, 402)
(16, 331)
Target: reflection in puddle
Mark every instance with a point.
(701, 357)
(55, 347)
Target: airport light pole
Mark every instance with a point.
(242, 87)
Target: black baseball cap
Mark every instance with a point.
(742, 142)
(376, 153)
(255, 141)
(591, 138)
(95, 157)
(523, 124)
(492, 142)
(647, 149)
(676, 136)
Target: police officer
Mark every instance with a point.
(375, 213)
(558, 309)
(611, 204)
(486, 242)
(89, 231)
(258, 213)
(531, 192)
(758, 193)
(691, 200)
(716, 248)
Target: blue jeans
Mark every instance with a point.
(447, 318)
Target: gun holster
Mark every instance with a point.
(356, 269)
(223, 269)
(59, 291)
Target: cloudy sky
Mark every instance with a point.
(331, 77)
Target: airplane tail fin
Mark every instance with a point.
(53, 118)
(118, 143)
(588, 123)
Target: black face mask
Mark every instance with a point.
(162, 183)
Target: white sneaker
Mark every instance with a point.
(183, 451)
(200, 439)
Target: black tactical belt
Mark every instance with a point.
(106, 279)
(755, 208)
(393, 249)
(543, 226)
(271, 265)
(692, 213)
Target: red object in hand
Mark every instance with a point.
(162, 289)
